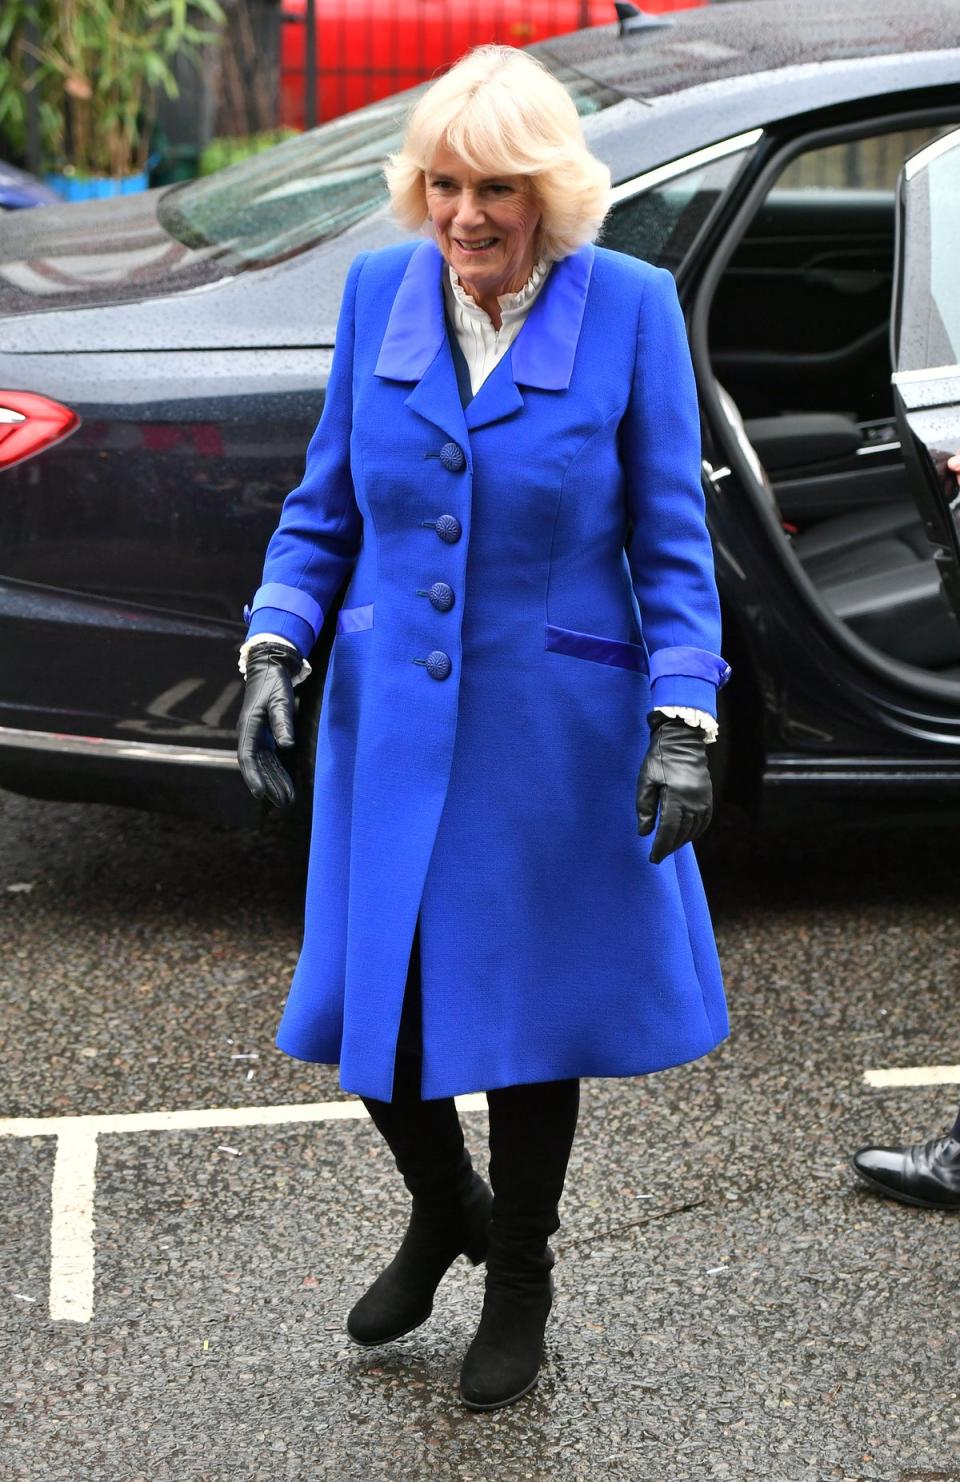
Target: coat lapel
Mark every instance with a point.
(498, 397)
(437, 397)
(544, 351)
(415, 345)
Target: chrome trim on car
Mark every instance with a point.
(906, 772)
(926, 373)
(877, 448)
(920, 161)
(139, 751)
(699, 157)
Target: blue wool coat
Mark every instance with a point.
(527, 576)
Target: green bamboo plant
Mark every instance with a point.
(20, 75)
(107, 60)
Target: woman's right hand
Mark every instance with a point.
(266, 721)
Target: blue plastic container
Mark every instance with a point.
(96, 187)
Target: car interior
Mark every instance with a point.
(800, 348)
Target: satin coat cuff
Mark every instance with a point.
(287, 611)
(687, 676)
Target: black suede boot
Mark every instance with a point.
(450, 1216)
(531, 1133)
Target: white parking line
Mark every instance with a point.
(72, 1253)
(71, 1225)
(914, 1075)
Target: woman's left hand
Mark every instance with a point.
(675, 779)
(266, 720)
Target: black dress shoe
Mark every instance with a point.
(402, 1296)
(928, 1173)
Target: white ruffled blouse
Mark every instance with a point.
(484, 346)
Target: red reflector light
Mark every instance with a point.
(29, 422)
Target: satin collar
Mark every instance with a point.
(541, 356)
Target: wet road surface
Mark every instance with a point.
(730, 1303)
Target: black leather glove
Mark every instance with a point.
(675, 778)
(266, 721)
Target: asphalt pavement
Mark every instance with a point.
(731, 1304)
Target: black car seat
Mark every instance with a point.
(874, 568)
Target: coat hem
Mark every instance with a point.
(574, 1071)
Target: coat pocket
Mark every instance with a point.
(611, 651)
(355, 619)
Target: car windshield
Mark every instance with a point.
(315, 186)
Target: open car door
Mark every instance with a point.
(926, 343)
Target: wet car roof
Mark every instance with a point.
(729, 68)
(742, 39)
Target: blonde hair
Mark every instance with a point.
(503, 113)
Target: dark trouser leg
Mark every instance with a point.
(451, 1203)
(531, 1134)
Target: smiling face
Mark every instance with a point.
(484, 225)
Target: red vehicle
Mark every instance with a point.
(369, 49)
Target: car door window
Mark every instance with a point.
(871, 163)
(930, 292)
(927, 333)
(944, 178)
(659, 216)
(800, 321)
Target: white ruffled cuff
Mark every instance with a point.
(692, 717)
(305, 669)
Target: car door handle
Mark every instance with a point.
(845, 280)
(716, 475)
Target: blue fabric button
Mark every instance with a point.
(247, 614)
(438, 664)
(452, 457)
(448, 528)
(441, 596)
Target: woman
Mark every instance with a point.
(507, 405)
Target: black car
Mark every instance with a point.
(163, 357)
